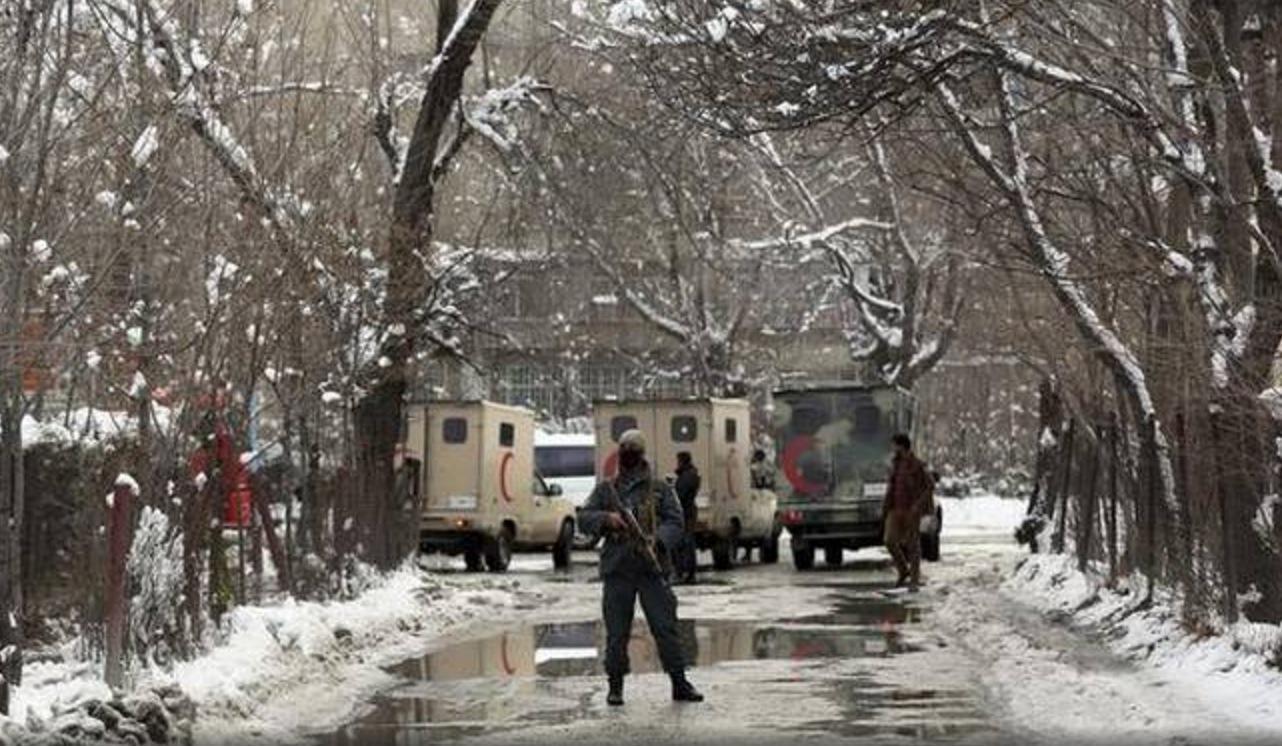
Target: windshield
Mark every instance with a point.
(565, 461)
(832, 442)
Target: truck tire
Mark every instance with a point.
(803, 558)
(498, 552)
(723, 554)
(770, 549)
(833, 555)
(472, 560)
(564, 545)
(930, 542)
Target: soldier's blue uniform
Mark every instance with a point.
(628, 574)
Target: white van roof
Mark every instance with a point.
(584, 440)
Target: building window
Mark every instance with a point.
(454, 430)
(507, 435)
(621, 424)
(685, 429)
(732, 430)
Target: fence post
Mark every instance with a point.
(119, 509)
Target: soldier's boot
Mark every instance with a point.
(615, 697)
(683, 690)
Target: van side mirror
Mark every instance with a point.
(554, 490)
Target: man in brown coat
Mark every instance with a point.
(908, 498)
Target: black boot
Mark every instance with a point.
(615, 697)
(683, 690)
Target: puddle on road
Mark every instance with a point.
(574, 649)
(488, 684)
(532, 675)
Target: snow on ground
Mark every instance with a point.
(1059, 664)
(296, 666)
(981, 515)
(1236, 671)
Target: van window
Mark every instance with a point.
(732, 430)
(565, 461)
(621, 424)
(507, 435)
(454, 430)
(684, 429)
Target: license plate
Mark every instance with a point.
(874, 489)
(702, 501)
(461, 502)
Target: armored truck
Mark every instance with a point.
(833, 447)
(480, 494)
(716, 433)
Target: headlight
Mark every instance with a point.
(461, 502)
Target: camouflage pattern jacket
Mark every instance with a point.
(656, 508)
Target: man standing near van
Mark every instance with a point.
(687, 487)
(630, 569)
(908, 495)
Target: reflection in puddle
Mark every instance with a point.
(574, 649)
(532, 675)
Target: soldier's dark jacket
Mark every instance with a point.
(651, 501)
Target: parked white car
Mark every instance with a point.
(568, 460)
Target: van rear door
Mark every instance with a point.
(453, 447)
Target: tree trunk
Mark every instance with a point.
(1066, 488)
(409, 249)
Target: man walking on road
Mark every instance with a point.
(642, 523)
(907, 498)
(687, 489)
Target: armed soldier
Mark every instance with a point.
(642, 523)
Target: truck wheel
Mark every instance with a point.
(498, 552)
(930, 542)
(803, 558)
(723, 554)
(832, 556)
(564, 545)
(472, 560)
(770, 549)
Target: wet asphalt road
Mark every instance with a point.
(831, 655)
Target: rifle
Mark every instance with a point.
(638, 538)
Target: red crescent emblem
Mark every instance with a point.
(507, 460)
(791, 454)
(507, 664)
(610, 467)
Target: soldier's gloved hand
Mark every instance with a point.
(615, 522)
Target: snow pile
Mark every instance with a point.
(1049, 679)
(305, 666)
(1239, 669)
(55, 686)
(276, 671)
